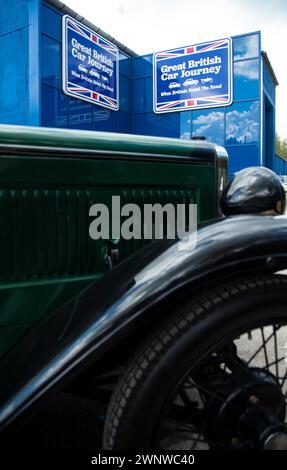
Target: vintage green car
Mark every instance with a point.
(172, 330)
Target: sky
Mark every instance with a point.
(153, 25)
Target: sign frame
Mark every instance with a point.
(107, 102)
(196, 106)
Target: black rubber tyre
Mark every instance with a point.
(175, 346)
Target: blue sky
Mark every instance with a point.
(153, 25)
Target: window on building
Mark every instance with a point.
(51, 62)
(246, 47)
(185, 125)
(80, 114)
(242, 123)
(246, 79)
(209, 124)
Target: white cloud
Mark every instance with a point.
(211, 126)
(155, 25)
(185, 135)
(247, 69)
(213, 116)
(250, 48)
(121, 10)
(242, 126)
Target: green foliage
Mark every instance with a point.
(281, 147)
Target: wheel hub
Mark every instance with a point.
(249, 411)
(276, 441)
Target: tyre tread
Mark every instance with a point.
(160, 340)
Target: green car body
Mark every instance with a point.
(50, 178)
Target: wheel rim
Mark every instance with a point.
(234, 398)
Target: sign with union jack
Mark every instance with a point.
(193, 77)
(90, 65)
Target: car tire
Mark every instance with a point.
(176, 345)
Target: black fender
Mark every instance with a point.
(105, 313)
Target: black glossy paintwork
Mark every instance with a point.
(107, 310)
(253, 190)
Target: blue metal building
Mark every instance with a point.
(31, 89)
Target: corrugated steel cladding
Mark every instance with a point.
(237, 127)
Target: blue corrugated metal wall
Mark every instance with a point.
(14, 49)
(268, 111)
(279, 165)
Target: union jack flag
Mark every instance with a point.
(204, 47)
(91, 36)
(193, 103)
(92, 95)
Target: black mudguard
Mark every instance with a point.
(132, 293)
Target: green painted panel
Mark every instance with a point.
(44, 208)
(66, 138)
(47, 256)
